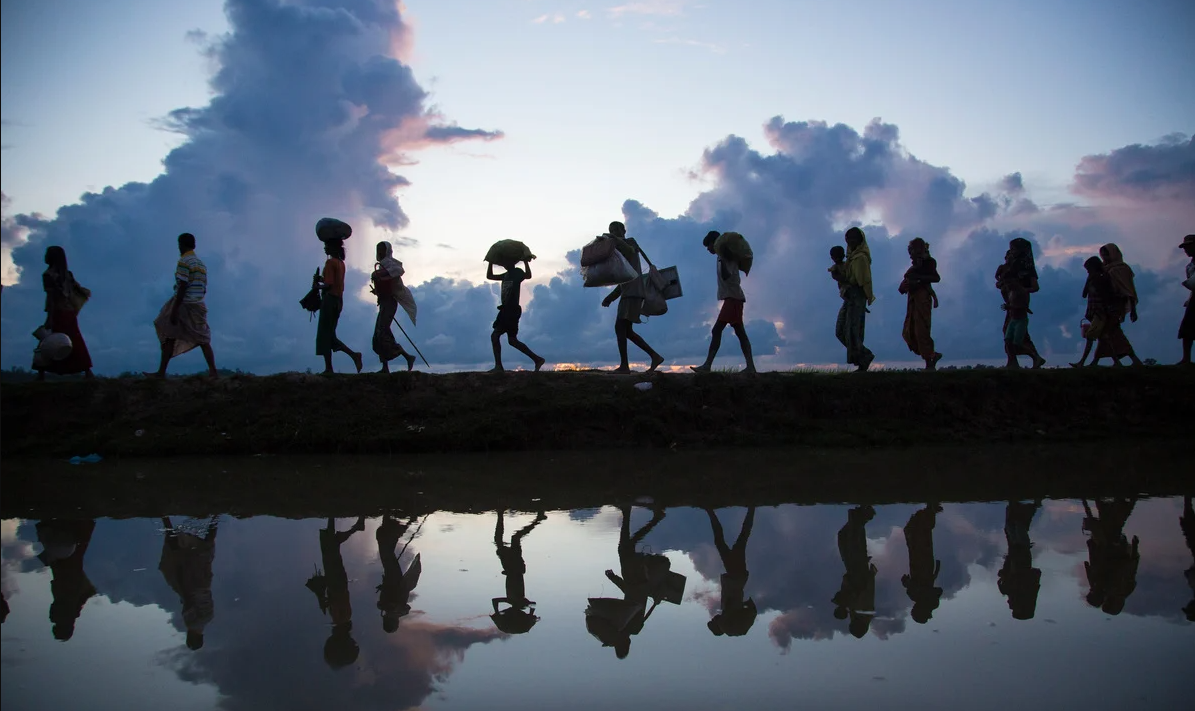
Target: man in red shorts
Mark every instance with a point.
(730, 293)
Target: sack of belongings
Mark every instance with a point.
(330, 229)
(611, 272)
(508, 253)
(733, 246)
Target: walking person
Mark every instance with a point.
(331, 588)
(856, 297)
(1124, 302)
(1104, 310)
(519, 615)
(182, 325)
(630, 298)
(332, 285)
(730, 293)
(1186, 329)
(387, 286)
(1016, 280)
(186, 565)
(509, 313)
(921, 582)
(64, 298)
(737, 611)
(394, 593)
(922, 300)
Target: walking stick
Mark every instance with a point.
(396, 323)
(413, 535)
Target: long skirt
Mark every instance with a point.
(850, 327)
(1111, 341)
(79, 361)
(918, 318)
(326, 341)
(1025, 347)
(1186, 329)
(384, 343)
(190, 331)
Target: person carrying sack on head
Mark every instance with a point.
(730, 293)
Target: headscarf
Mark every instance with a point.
(858, 268)
(1020, 260)
(395, 270)
(1120, 273)
(392, 266)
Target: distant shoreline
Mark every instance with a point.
(478, 412)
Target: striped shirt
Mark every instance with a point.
(192, 272)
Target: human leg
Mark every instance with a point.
(656, 358)
(1086, 352)
(496, 344)
(745, 343)
(209, 356)
(715, 344)
(522, 348)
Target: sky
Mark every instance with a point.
(445, 126)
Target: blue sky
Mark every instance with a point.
(600, 104)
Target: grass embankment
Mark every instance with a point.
(478, 412)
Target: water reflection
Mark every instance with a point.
(820, 575)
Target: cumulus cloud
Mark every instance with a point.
(310, 111)
(1165, 171)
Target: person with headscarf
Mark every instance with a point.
(856, 297)
(388, 287)
(856, 596)
(1112, 559)
(1186, 329)
(918, 284)
(1017, 279)
(64, 298)
(186, 565)
(331, 283)
(394, 594)
(921, 581)
(737, 614)
(1124, 303)
(64, 543)
(1105, 309)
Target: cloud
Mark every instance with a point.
(12, 235)
(310, 111)
(584, 15)
(715, 48)
(650, 7)
(1165, 171)
(1012, 184)
(554, 18)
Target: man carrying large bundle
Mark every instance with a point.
(509, 309)
(730, 293)
(630, 303)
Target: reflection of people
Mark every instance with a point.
(331, 587)
(519, 616)
(65, 543)
(614, 624)
(1112, 565)
(923, 567)
(394, 593)
(737, 615)
(1187, 522)
(187, 567)
(856, 597)
(1018, 579)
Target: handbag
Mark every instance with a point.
(78, 296)
(312, 301)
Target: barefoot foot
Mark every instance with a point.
(410, 362)
(699, 368)
(656, 362)
(539, 363)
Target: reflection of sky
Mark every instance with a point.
(264, 647)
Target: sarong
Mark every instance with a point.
(384, 343)
(918, 316)
(190, 331)
(1025, 347)
(79, 361)
(850, 327)
(325, 331)
(629, 308)
(1111, 341)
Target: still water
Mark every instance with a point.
(1055, 604)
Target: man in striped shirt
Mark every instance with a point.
(182, 323)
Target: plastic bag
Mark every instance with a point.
(615, 270)
(508, 253)
(329, 229)
(597, 251)
(407, 301)
(671, 289)
(654, 303)
(734, 246)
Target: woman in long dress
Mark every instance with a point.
(64, 298)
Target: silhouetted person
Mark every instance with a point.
(737, 614)
(186, 565)
(918, 284)
(1186, 328)
(388, 288)
(509, 313)
(1016, 279)
(394, 593)
(331, 283)
(4, 610)
(182, 325)
(65, 543)
(1187, 523)
(730, 293)
(1018, 579)
(64, 298)
(635, 587)
(920, 583)
(1112, 559)
(1124, 302)
(331, 588)
(519, 616)
(630, 298)
(854, 279)
(856, 597)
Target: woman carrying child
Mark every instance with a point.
(918, 285)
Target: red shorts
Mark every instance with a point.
(731, 313)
